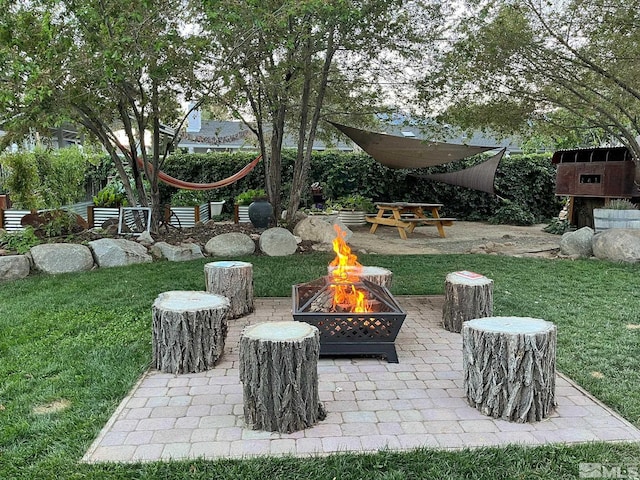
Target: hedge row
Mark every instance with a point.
(525, 183)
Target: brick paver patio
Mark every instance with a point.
(371, 404)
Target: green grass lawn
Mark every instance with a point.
(85, 339)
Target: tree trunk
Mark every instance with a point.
(189, 331)
(509, 366)
(233, 280)
(466, 298)
(279, 373)
(303, 161)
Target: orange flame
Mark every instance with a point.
(346, 271)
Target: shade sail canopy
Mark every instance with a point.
(479, 177)
(400, 152)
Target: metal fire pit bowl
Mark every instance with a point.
(342, 333)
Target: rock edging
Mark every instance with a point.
(55, 258)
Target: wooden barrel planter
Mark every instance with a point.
(509, 366)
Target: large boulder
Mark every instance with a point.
(14, 267)
(117, 252)
(61, 258)
(278, 242)
(145, 239)
(176, 253)
(578, 243)
(298, 217)
(617, 245)
(230, 245)
(316, 229)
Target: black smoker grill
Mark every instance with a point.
(346, 333)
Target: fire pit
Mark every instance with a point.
(354, 316)
(350, 333)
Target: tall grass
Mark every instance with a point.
(79, 342)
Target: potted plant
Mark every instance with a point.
(187, 208)
(618, 213)
(243, 201)
(215, 207)
(353, 209)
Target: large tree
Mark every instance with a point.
(513, 64)
(285, 65)
(105, 65)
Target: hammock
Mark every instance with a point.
(174, 182)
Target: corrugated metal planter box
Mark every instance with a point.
(608, 218)
(187, 217)
(96, 216)
(241, 214)
(10, 220)
(352, 217)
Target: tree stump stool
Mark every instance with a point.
(279, 373)
(378, 275)
(467, 295)
(189, 331)
(233, 280)
(509, 366)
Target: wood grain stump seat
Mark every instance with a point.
(378, 275)
(467, 295)
(189, 331)
(279, 375)
(509, 366)
(234, 280)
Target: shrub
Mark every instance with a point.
(511, 213)
(20, 241)
(528, 180)
(62, 176)
(188, 198)
(58, 223)
(621, 204)
(246, 198)
(23, 180)
(353, 202)
(558, 226)
(45, 178)
(110, 196)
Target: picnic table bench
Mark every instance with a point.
(406, 216)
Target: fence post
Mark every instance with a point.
(90, 215)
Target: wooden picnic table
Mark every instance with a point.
(405, 216)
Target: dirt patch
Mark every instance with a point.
(461, 237)
(53, 407)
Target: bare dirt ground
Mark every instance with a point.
(461, 237)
